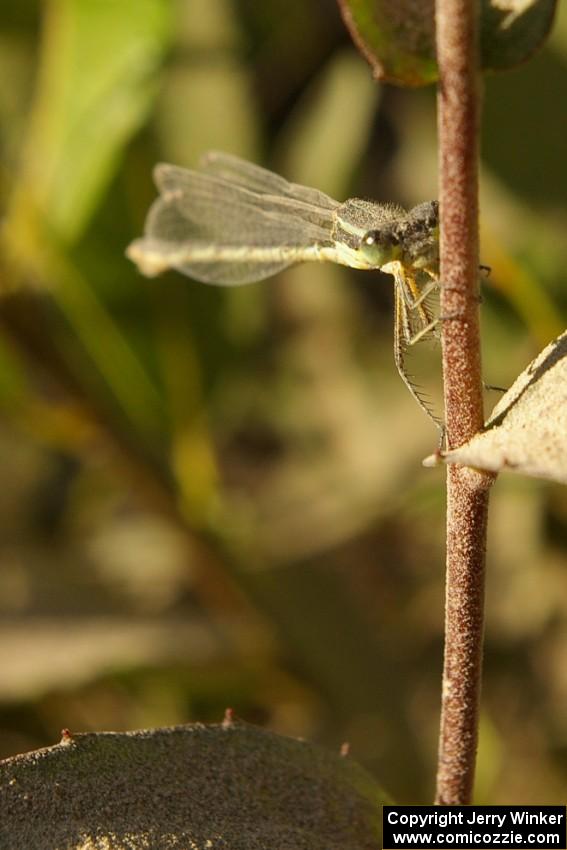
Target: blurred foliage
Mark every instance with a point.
(215, 497)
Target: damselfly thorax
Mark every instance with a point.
(231, 222)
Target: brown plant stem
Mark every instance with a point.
(467, 490)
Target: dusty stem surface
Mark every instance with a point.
(467, 490)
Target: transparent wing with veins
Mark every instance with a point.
(232, 222)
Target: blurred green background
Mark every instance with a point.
(214, 497)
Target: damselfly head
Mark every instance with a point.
(380, 247)
(424, 217)
(419, 235)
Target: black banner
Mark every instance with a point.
(466, 827)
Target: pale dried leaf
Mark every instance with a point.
(527, 430)
(196, 787)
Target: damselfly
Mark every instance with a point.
(231, 222)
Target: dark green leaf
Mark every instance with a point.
(397, 37)
(232, 786)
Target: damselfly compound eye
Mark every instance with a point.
(380, 247)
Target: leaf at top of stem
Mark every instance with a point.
(397, 37)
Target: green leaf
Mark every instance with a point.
(511, 30)
(97, 72)
(397, 37)
(527, 430)
(232, 786)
